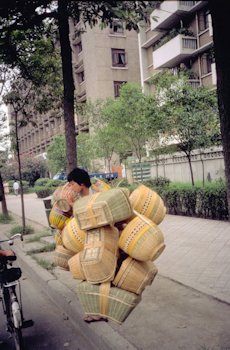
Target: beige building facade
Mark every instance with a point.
(179, 39)
(102, 61)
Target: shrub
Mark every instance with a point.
(25, 185)
(157, 182)
(5, 219)
(19, 229)
(44, 191)
(42, 182)
(206, 202)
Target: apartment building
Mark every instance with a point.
(102, 61)
(178, 37)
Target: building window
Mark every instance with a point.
(119, 58)
(117, 27)
(206, 63)
(81, 77)
(117, 85)
(203, 20)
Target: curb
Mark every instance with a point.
(100, 335)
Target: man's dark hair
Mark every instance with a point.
(79, 176)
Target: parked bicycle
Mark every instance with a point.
(10, 294)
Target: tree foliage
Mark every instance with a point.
(29, 20)
(190, 114)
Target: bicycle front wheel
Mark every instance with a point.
(17, 335)
(16, 319)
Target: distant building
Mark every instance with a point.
(102, 61)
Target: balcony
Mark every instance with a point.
(174, 51)
(168, 12)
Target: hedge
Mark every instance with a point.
(208, 202)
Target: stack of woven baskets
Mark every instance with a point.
(110, 244)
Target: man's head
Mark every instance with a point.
(82, 180)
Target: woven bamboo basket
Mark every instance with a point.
(142, 239)
(101, 209)
(73, 237)
(110, 302)
(76, 268)
(58, 238)
(134, 275)
(148, 203)
(58, 218)
(67, 192)
(106, 237)
(99, 186)
(61, 257)
(98, 264)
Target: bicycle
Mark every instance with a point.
(9, 287)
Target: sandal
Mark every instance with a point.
(89, 319)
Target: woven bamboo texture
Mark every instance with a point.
(73, 237)
(61, 257)
(103, 300)
(98, 264)
(58, 238)
(99, 186)
(106, 237)
(101, 209)
(66, 192)
(76, 268)
(148, 203)
(134, 275)
(142, 239)
(58, 218)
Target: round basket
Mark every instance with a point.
(73, 237)
(67, 192)
(76, 268)
(142, 239)
(58, 238)
(148, 203)
(61, 257)
(135, 275)
(58, 218)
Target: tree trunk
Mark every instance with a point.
(190, 167)
(2, 197)
(67, 71)
(220, 17)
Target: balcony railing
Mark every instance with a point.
(169, 11)
(174, 51)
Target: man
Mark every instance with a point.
(80, 181)
(16, 187)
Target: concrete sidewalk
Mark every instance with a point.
(170, 315)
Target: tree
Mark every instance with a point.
(3, 160)
(220, 17)
(20, 99)
(30, 18)
(56, 154)
(128, 115)
(190, 115)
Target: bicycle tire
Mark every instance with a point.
(16, 329)
(18, 341)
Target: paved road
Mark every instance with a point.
(197, 250)
(52, 329)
